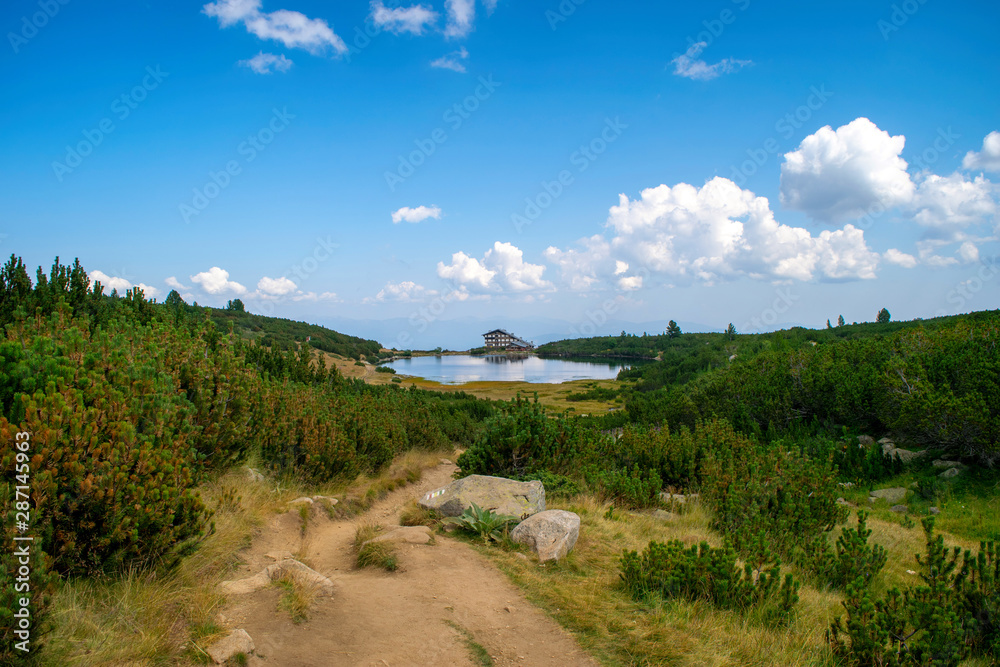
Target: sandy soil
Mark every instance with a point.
(400, 618)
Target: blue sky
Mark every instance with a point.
(580, 162)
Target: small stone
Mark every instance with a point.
(663, 515)
(886, 441)
(906, 455)
(942, 463)
(237, 641)
(279, 555)
(445, 462)
(933, 510)
(866, 440)
(304, 500)
(950, 472)
(902, 509)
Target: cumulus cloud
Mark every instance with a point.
(502, 269)
(293, 29)
(988, 159)
(216, 281)
(894, 256)
(690, 66)
(276, 286)
(452, 61)
(406, 292)
(176, 284)
(709, 234)
(946, 204)
(414, 215)
(402, 19)
(836, 175)
(121, 284)
(461, 15)
(267, 63)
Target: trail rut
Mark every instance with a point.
(400, 618)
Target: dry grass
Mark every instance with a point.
(374, 554)
(145, 617)
(298, 596)
(415, 515)
(582, 593)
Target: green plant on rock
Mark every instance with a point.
(487, 524)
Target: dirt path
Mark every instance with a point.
(394, 619)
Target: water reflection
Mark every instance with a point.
(458, 369)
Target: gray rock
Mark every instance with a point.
(888, 448)
(866, 440)
(407, 534)
(891, 495)
(304, 500)
(906, 455)
(679, 498)
(503, 496)
(287, 566)
(842, 501)
(663, 515)
(902, 509)
(941, 463)
(950, 472)
(886, 441)
(237, 641)
(933, 510)
(551, 534)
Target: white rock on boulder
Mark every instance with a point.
(551, 534)
(503, 496)
(237, 641)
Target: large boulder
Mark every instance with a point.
(503, 496)
(905, 455)
(892, 496)
(551, 534)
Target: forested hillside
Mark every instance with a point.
(128, 406)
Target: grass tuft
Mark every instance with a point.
(477, 652)
(297, 597)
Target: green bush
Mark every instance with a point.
(951, 615)
(703, 572)
(851, 558)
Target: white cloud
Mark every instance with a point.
(894, 256)
(461, 14)
(946, 204)
(293, 29)
(312, 296)
(465, 271)
(276, 286)
(988, 159)
(491, 6)
(402, 19)
(840, 175)
(502, 269)
(176, 284)
(927, 250)
(216, 281)
(708, 234)
(414, 215)
(582, 269)
(690, 66)
(267, 63)
(406, 291)
(452, 61)
(121, 284)
(969, 252)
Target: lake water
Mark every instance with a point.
(458, 369)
